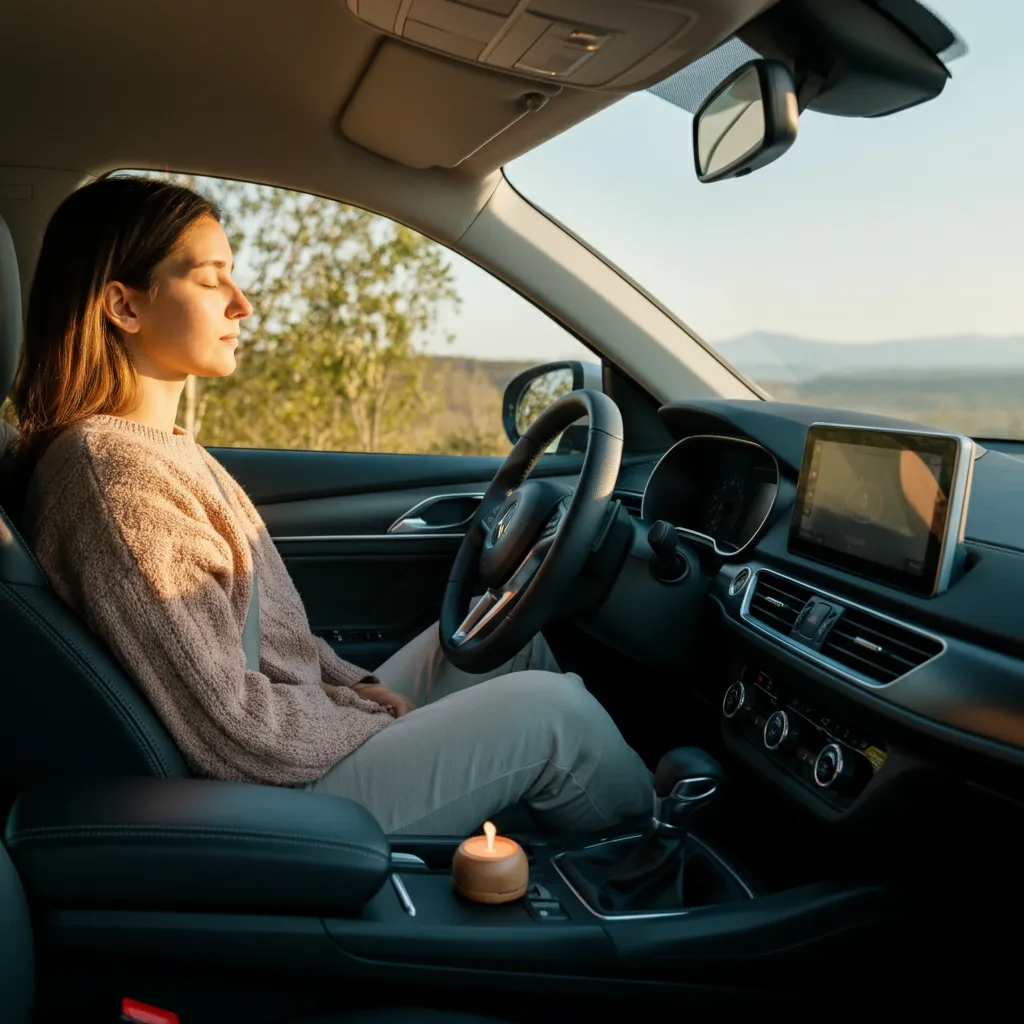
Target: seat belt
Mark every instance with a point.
(251, 628)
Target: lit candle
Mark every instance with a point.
(490, 868)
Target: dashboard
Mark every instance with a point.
(836, 671)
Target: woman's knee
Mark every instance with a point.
(557, 698)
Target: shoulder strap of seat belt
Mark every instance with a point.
(251, 629)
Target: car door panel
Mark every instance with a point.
(366, 590)
(354, 515)
(369, 596)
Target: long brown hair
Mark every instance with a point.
(74, 362)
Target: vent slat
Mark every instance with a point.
(773, 618)
(865, 664)
(901, 649)
(777, 602)
(913, 653)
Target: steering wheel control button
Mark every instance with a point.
(738, 701)
(739, 582)
(779, 731)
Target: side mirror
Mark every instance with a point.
(748, 121)
(530, 393)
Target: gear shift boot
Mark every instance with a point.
(705, 881)
(665, 870)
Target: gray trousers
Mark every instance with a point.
(478, 743)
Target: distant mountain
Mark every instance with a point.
(764, 356)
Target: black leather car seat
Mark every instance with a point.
(70, 709)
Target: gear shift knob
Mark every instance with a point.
(686, 780)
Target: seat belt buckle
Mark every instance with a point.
(134, 1012)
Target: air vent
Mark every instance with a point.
(877, 648)
(631, 502)
(776, 602)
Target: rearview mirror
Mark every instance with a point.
(749, 120)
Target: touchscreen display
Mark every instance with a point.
(876, 502)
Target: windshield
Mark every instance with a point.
(877, 266)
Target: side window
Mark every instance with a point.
(365, 335)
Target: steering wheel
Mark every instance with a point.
(529, 539)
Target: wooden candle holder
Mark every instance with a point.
(490, 868)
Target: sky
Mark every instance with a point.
(867, 229)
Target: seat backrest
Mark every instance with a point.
(17, 958)
(68, 708)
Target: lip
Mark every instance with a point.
(232, 338)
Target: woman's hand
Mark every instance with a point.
(380, 694)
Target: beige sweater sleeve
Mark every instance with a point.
(131, 546)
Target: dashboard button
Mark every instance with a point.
(832, 767)
(739, 582)
(779, 731)
(738, 701)
(732, 699)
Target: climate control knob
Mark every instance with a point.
(832, 767)
(738, 701)
(780, 733)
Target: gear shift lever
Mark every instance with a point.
(686, 780)
(650, 876)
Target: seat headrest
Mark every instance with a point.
(10, 310)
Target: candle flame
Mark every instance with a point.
(490, 831)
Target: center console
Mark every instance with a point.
(215, 875)
(766, 718)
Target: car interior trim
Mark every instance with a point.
(410, 522)
(327, 537)
(820, 659)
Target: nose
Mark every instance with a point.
(240, 306)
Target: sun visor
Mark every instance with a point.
(424, 110)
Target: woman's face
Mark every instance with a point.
(189, 321)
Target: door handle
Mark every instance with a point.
(441, 513)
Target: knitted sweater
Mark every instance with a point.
(133, 532)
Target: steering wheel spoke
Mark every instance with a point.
(495, 602)
(532, 537)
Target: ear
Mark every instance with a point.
(119, 307)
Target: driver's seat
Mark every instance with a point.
(69, 707)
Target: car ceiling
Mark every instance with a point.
(258, 90)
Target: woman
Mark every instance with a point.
(156, 546)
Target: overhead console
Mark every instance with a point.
(606, 44)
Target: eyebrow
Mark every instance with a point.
(213, 263)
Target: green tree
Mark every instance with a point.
(343, 301)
